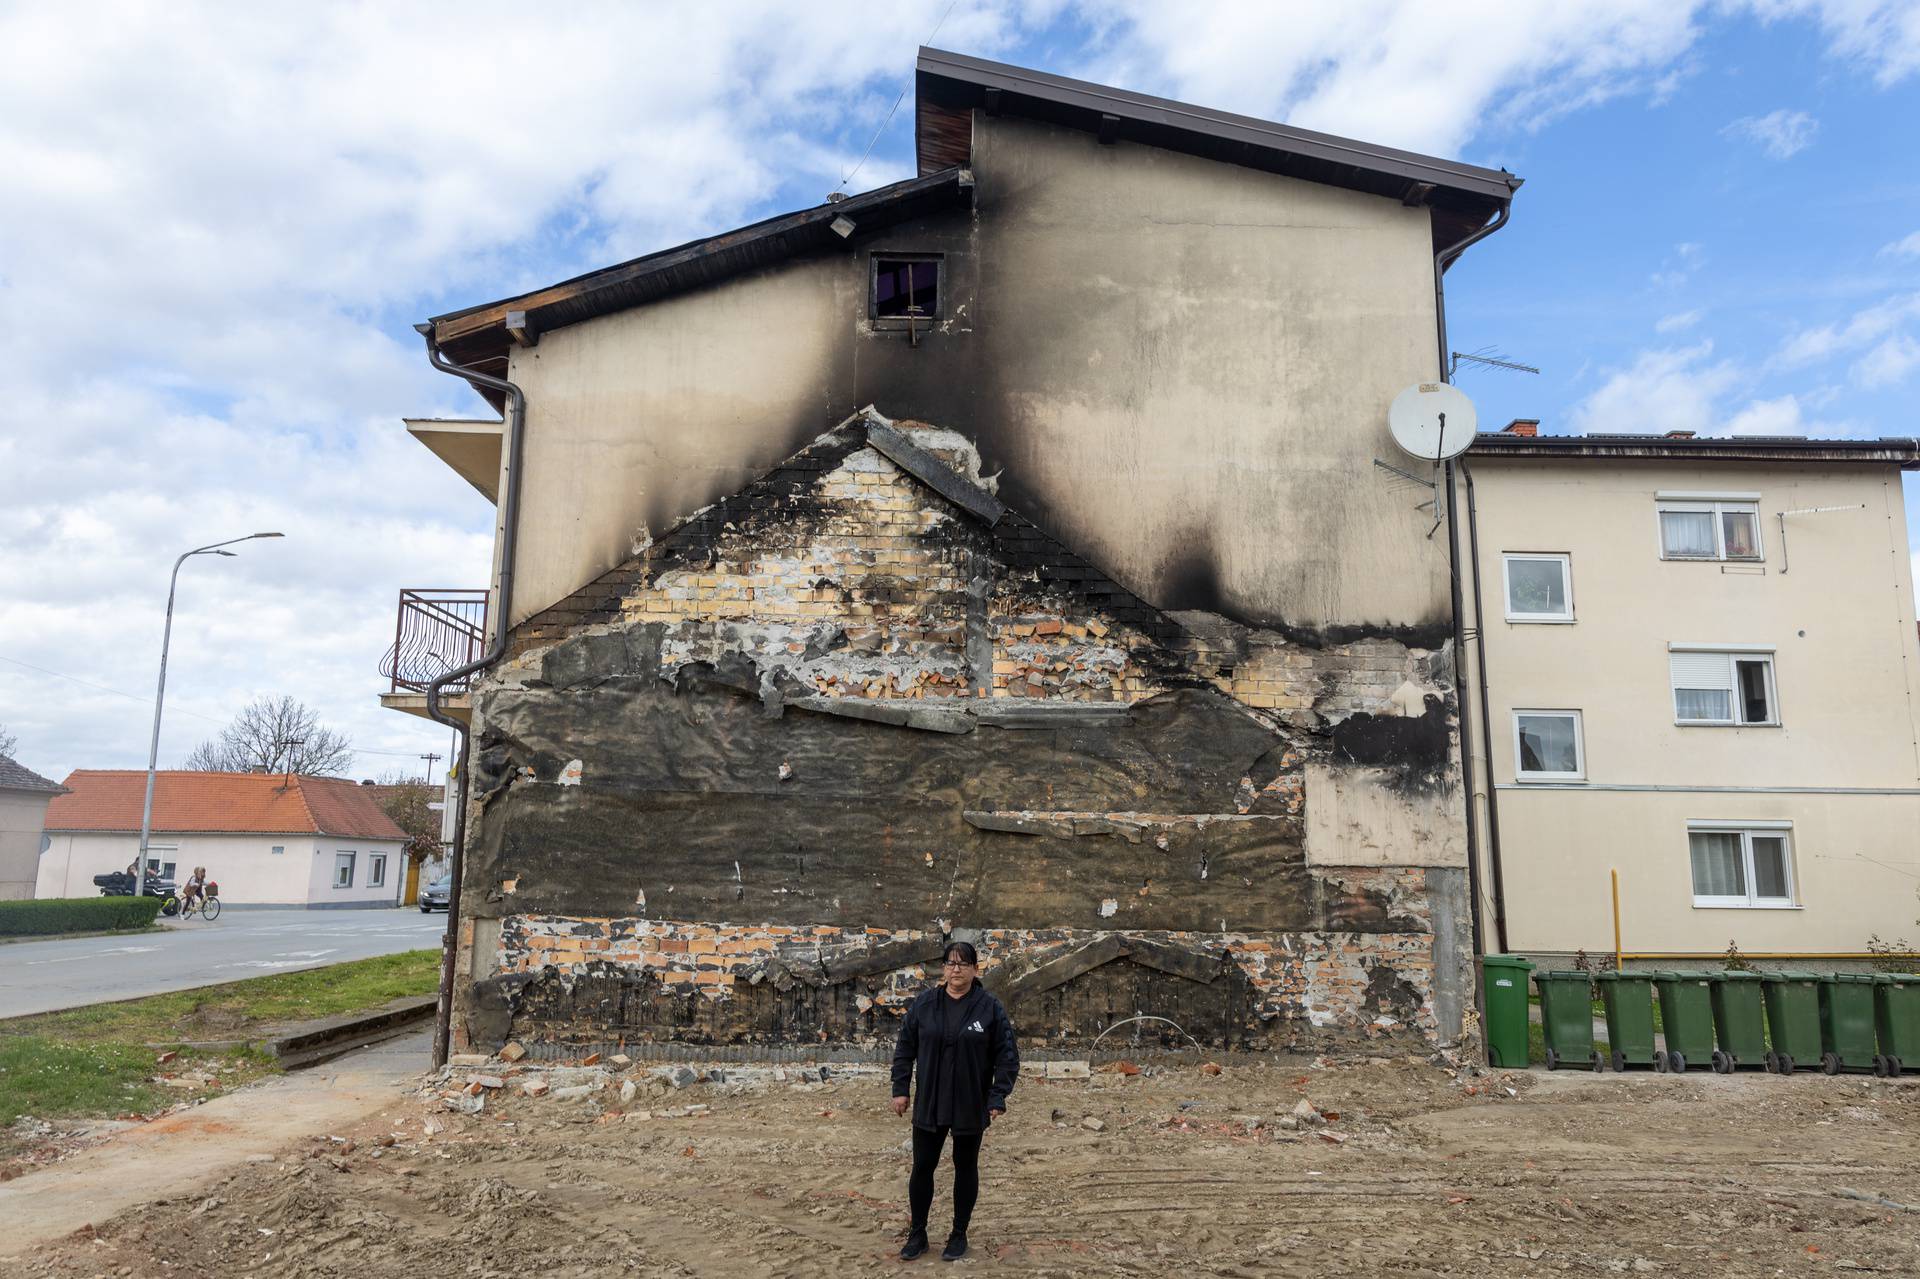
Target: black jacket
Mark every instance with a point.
(976, 1077)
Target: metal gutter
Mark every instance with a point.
(516, 421)
(1894, 451)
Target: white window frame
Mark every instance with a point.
(1746, 830)
(376, 870)
(1566, 582)
(162, 860)
(1579, 748)
(1718, 507)
(351, 867)
(1733, 653)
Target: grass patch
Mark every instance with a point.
(104, 1060)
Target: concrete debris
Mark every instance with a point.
(621, 1060)
(628, 1091)
(1093, 1123)
(573, 1092)
(464, 1104)
(1068, 1070)
(535, 1088)
(467, 1059)
(512, 1052)
(1306, 1114)
(487, 1081)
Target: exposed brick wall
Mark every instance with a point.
(840, 579)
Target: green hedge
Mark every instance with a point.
(77, 915)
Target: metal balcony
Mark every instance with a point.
(434, 632)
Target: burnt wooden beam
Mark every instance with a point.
(935, 474)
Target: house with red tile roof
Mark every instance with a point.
(268, 839)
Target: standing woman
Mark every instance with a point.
(959, 1039)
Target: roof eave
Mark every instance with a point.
(952, 82)
(1902, 453)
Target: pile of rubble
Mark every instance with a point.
(466, 1082)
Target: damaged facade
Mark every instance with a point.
(1097, 642)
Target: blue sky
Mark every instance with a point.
(220, 226)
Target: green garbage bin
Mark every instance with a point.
(1793, 1019)
(1628, 999)
(1566, 1018)
(1846, 1022)
(1739, 1022)
(1686, 1017)
(1506, 1030)
(1896, 1015)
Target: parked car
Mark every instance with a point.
(434, 896)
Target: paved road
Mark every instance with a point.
(41, 976)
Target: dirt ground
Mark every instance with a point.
(1416, 1171)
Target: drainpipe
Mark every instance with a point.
(1441, 260)
(1486, 716)
(510, 525)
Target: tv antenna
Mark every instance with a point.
(1490, 359)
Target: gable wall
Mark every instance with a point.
(1180, 366)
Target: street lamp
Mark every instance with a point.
(153, 752)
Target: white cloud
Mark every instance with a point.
(1884, 35)
(1678, 267)
(1909, 247)
(1677, 322)
(1781, 134)
(1862, 328)
(1888, 363)
(1676, 389)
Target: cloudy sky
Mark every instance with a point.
(218, 224)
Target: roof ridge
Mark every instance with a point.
(299, 788)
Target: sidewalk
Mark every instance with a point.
(174, 1155)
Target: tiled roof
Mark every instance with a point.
(14, 776)
(251, 803)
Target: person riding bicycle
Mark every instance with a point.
(195, 889)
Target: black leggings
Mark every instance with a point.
(966, 1175)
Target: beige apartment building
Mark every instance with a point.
(1701, 672)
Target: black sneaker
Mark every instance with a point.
(956, 1248)
(915, 1245)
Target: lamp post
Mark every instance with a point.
(153, 751)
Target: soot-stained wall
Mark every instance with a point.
(1180, 367)
(741, 787)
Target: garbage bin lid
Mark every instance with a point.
(1732, 975)
(1864, 979)
(1790, 974)
(1898, 979)
(1506, 961)
(1618, 976)
(1561, 974)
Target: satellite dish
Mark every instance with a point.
(1433, 421)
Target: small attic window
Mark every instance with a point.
(906, 287)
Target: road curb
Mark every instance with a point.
(310, 1043)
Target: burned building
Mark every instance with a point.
(994, 555)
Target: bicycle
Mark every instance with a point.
(207, 906)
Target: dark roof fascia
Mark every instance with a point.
(1903, 453)
(947, 82)
(479, 333)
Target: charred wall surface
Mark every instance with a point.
(742, 787)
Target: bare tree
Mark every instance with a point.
(406, 802)
(7, 741)
(274, 735)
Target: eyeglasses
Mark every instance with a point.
(955, 963)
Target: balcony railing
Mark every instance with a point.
(434, 632)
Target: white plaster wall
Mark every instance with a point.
(21, 814)
(245, 867)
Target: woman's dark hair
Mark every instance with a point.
(964, 949)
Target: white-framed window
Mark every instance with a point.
(1722, 686)
(343, 870)
(1698, 529)
(1539, 587)
(376, 870)
(160, 861)
(1547, 746)
(1746, 864)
